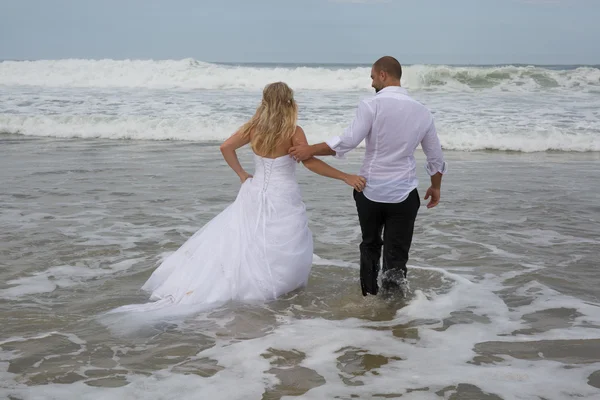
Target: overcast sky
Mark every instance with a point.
(305, 31)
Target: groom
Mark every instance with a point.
(392, 125)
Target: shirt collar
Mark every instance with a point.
(393, 89)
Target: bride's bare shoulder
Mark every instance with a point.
(299, 136)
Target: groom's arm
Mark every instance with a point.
(303, 152)
(322, 149)
(436, 166)
(340, 145)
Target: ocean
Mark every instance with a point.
(519, 108)
(108, 166)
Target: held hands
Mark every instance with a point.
(301, 152)
(434, 193)
(357, 182)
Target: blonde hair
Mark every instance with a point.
(274, 120)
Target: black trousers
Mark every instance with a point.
(396, 221)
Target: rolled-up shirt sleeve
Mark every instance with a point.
(433, 150)
(355, 133)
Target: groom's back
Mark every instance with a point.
(400, 122)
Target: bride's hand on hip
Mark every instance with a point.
(357, 182)
(244, 177)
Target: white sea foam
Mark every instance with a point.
(441, 357)
(201, 129)
(475, 108)
(58, 277)
(193, 74)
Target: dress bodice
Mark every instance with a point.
(277, 172)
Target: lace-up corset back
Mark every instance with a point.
(274, 174)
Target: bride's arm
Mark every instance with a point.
(228, 149)
(319, 167)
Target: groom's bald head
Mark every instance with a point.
(390, 66)
(386, 72)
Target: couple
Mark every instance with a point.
(260, 246)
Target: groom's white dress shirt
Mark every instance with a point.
(393, 125)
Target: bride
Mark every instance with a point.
(260, 246)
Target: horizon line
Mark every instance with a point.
(312, 63)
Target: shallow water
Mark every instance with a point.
(505, 300)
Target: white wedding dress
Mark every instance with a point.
(257, 249)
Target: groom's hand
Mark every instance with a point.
(434, 193)
(301, 152)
